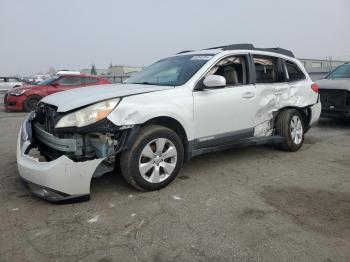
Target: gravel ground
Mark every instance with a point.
(251, 204)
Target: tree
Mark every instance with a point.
(52, 71)
(93, 70)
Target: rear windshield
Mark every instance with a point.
(172, 71)
(342, 71)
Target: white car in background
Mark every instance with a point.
(183, 106)
(7, 83)
(67, 72)
(40, 78)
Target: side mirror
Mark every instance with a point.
(214, 81)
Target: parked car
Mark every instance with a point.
(39, 78)
(67, 72)
(335, 93)
(7, 83)
(180, 107)
(26, 98)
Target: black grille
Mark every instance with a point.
(334, 98)
(46, 116)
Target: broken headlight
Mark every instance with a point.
(88, 115)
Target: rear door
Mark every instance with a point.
(271, 88)
(90, 81)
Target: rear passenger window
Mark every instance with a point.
(267, 69)
(294, 72)
(89, 80)
(70, 81)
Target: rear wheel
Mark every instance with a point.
(31, 103)
(154, 160)
(289, 125)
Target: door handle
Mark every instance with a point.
(248, 95)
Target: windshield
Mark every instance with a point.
(172, 71)
(48, 81)
(342, 71)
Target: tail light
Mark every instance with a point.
(314, 87)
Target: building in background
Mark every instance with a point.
(115, 73)
(319, 68)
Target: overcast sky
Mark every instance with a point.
(72, 34)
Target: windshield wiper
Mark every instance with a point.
(144, 83)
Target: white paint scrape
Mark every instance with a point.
(177, 198)
(94, 219)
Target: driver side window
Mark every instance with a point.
(232, 68)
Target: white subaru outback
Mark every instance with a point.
(189, 104)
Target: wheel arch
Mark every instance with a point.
(29, 96)
(305, 113)
(174, 125)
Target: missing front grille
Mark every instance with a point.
(333, 97)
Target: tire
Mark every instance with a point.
(290, 126)
(156, 150)
(31, 102)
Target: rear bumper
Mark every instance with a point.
(57, 180)
(315, 113)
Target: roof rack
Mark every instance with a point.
(251, 47)
(186, 51)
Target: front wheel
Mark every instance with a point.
(31, 103)
(154, 159)
(289, 125)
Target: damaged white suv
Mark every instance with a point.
(192, 103)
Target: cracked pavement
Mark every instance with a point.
(250, 204)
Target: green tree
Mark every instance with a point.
(93, 70)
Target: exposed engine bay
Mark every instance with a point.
(103, 140)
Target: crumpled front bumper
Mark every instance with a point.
(57, 180)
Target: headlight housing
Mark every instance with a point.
(18, 92)
(88, 115)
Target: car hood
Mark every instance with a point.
(343, 84)
(75, 98)
(24, 87)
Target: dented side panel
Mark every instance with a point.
(275, 97)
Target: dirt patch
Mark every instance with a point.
(321, 211)
(251, 213)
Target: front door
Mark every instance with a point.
(223, 115)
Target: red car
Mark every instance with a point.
(26, 98)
